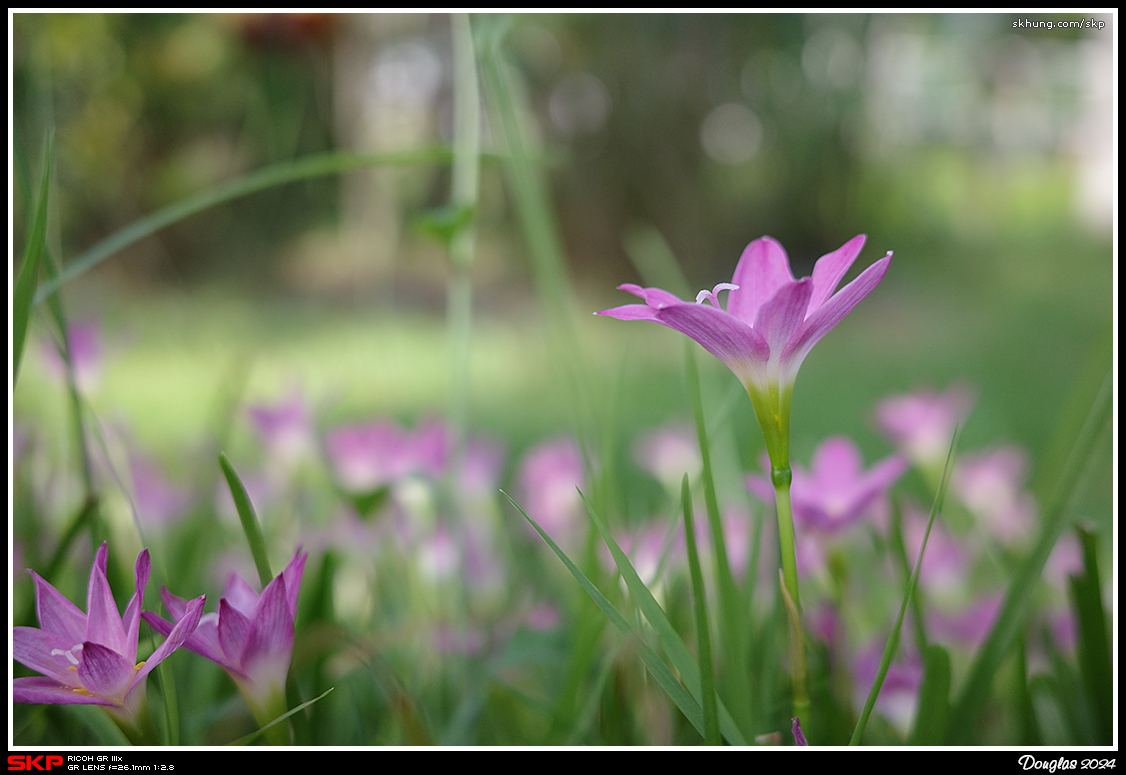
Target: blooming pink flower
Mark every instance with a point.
(668, 454)
(285, 428)
(771, 323)
(251, 636)
(990, 484)
(836, 491)
(921, 424)
(548, 479)
(91, 658)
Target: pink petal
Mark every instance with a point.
(779, 317)
(37, 689)
(234, 630)
(739, 346)
(293, 573)
(105, 672)
(56, 613)
(46, 653)
(654, 297)
(836, 463)
(822, 320)
(631, 312)
(762, 270)
(240, 595)
(132, 618)
(180, 633)
(831, 267)
(103, 622)
(271, 630)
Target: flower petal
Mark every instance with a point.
(240, 595)
(53, 655)
(779, 317)
(271, 629)
(132, 618)
(831, 267)
(104, 672)
(293, 573)
(180, 633)
(739, 346)
(822, 320)
(56, 613)
(103, 622)
(234, 630)
(38, 689)
(762, 270)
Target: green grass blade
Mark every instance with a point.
(934, 698)
(657, 668)
(893, 638)
(24, 291)
(254, 735)
(1018, 598)
(318, 165)
(249, 521)
(703, 635)
(734, 610)
(667, 636)
(1094, 644)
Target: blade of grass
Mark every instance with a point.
(671, 642)
(249, 521)
(934, 698)
(313, 166)
(893, 638)
(1018, 597)
(1094, 644)
(28, 277)
(735, 613)
(657, 668)
(254, 735)
(703, 636)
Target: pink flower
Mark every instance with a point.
(836, 491)
(771, 323)
(990, 484)
(921, 424)
(668, 454)
(548, 479)
(285, 428)
(251, 636)
(91, 658)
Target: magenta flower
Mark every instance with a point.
(836, 491)
(251, 637)
(668, 453)
(91, 658)
(771, 323)
(549, 479)
(922, 423)
(991, 485)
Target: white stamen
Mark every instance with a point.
(68, 654)
(713, 294)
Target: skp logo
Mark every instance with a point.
(28, 762)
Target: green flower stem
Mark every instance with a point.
(781, 479)
(789, 582)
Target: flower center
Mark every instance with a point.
(69, 654)
(713, 294)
